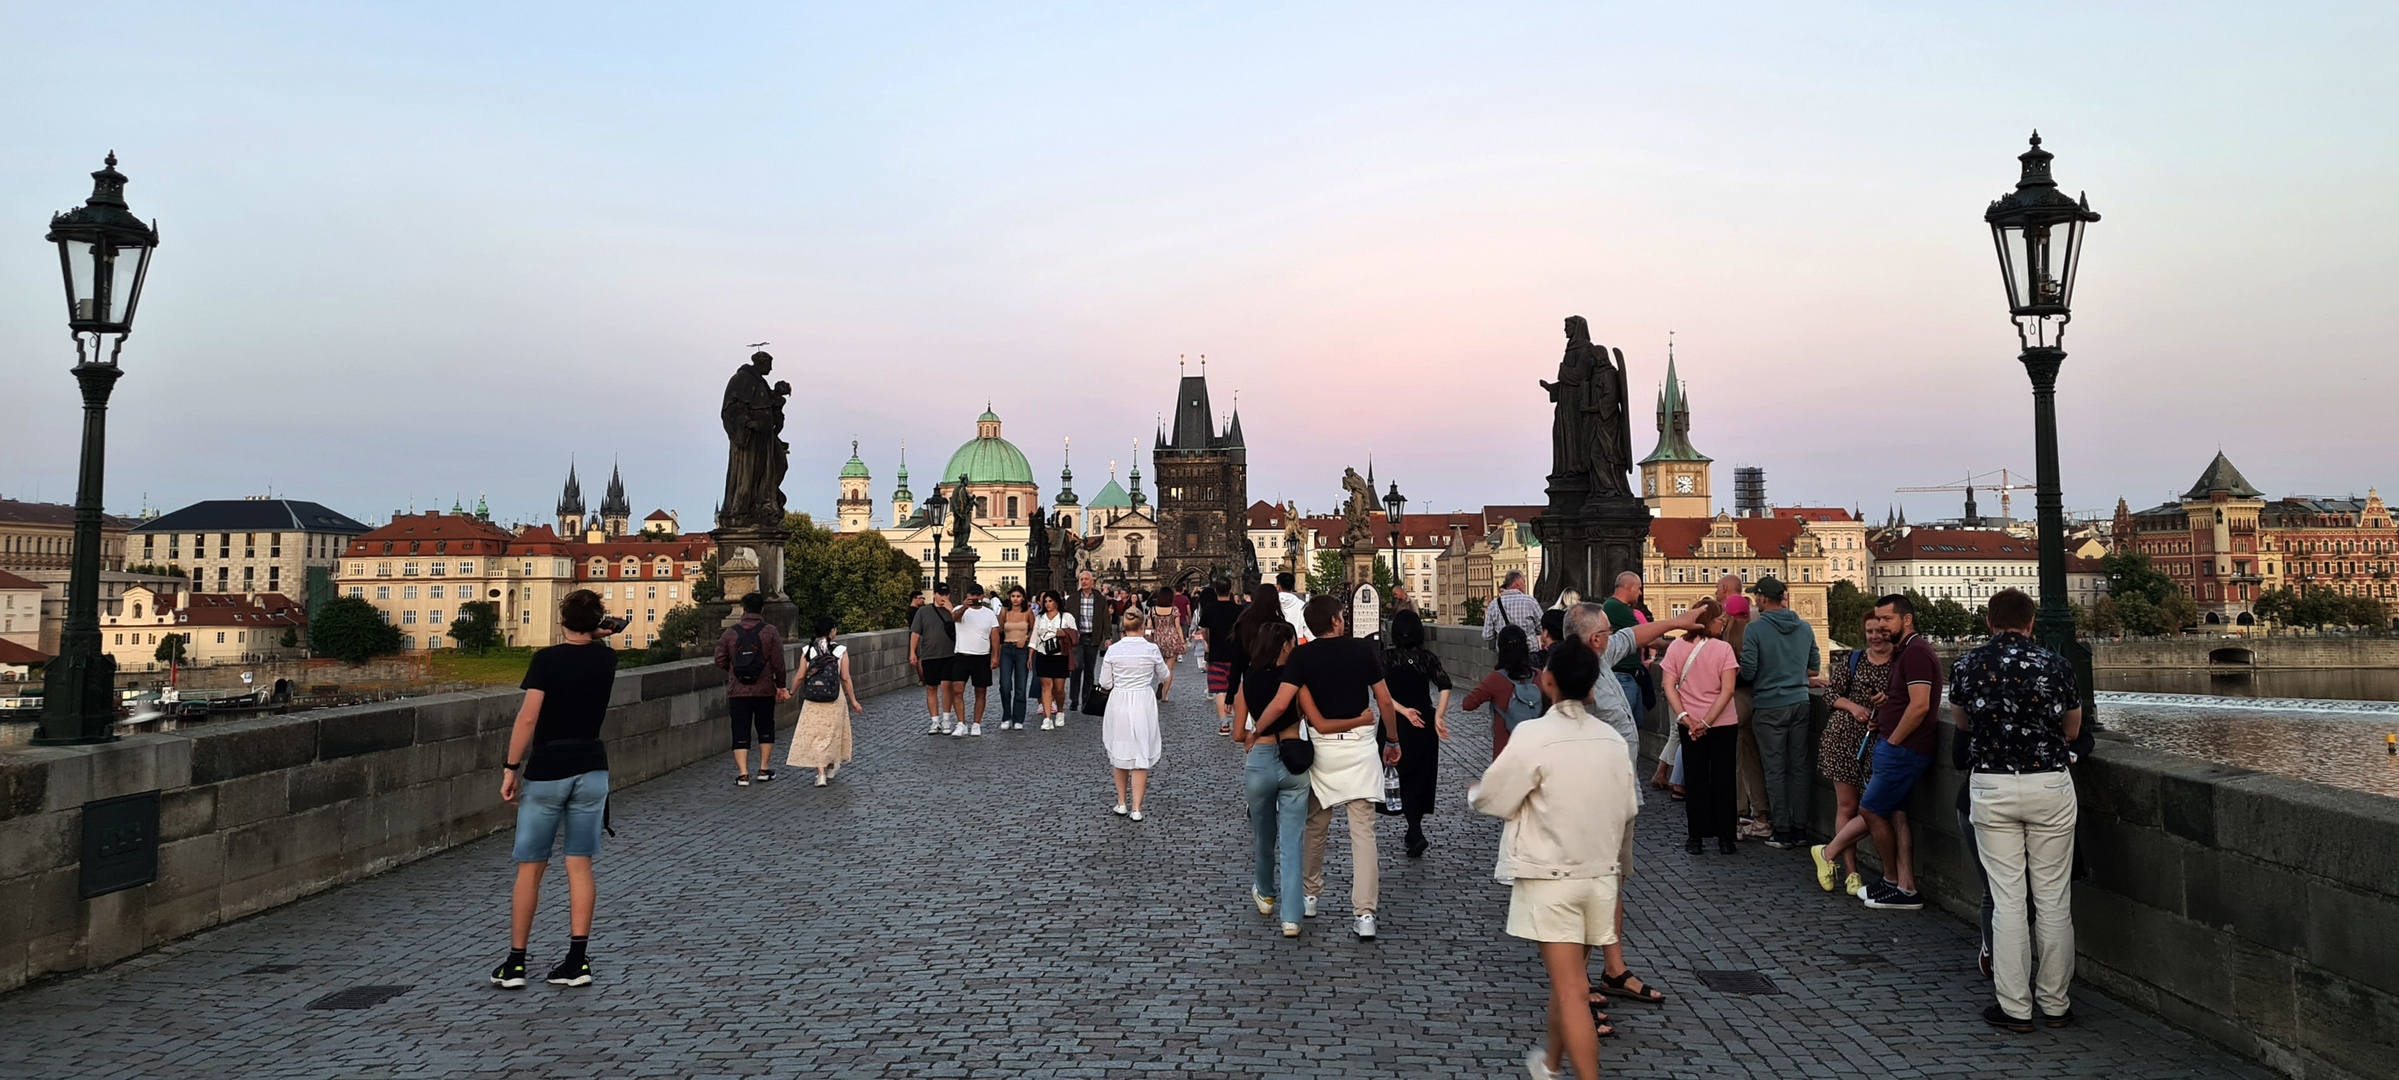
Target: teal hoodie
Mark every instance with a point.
(1777, 653)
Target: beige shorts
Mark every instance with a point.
(1564, 909)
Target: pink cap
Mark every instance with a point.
(1737, 606)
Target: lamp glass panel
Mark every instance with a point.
(81, 273)
(124, 288)
(2067, 258)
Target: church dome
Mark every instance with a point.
(855, 468)
(987, 458)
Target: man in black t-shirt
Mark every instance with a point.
(1217, 613)
(557, 772)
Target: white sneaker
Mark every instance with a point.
(1265, 904)
(1119, 810)
(978, 731)
(1045, 723)
(1136, 815)
(935, 728)
(958, 732)
(1536, 1064)
(1290, 929)
(1365, 928)
(1308, 906)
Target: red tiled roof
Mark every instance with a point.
(233, 609)
(13, 653)
(1814, 513)
(12, 581)
(659, 515)
(39, 513)
(1953, 544)
(1769, 538)
(470, 536)
(1265, 515)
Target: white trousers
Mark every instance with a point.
(2024, 830)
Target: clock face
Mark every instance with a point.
(1682, 484)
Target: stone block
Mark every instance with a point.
(638, 718)
(113, 925)
(366, 730)
(2254, 901)
(56, 899)
(2186, 796)
(43, 842)
(454, 758)
(168, 918)
(2352, 933)
(408, 766)
(2263, 993)
(24, 786)
(2120, 780)
(498, 709)
(281, 885)
(268, 846)
(2325, 831)
(668, 680)
(2143, 864)
(2353, 1026)
(253, 798)
(186, 812)
(2175, 955)
(189, 866)
(684, 710)
(249, 747)
(627, 689)
(327, 783)
(448, 716)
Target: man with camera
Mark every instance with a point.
(557, 773)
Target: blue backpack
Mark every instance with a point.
(1524, 702)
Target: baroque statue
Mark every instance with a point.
(758, 457)
(1591, 437)
(1357, 530)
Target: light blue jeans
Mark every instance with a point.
(1278, 815)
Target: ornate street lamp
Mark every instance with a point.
(1394, 504)
(2038, 232)
(103, 254)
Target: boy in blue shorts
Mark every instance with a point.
(558, 777)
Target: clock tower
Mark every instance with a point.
(1674, 477)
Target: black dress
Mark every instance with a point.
(1412, 675)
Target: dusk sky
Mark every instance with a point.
(412, 253)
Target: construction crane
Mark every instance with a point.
(2007, 483)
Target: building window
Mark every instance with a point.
(433, 641)
(220, 637)
(408, 569)
(120, 639)
(465, 567)
(434, 617)
(407, 592)
(434, 593)
(408, 617)
(441, 569)
(358, 591)
(383, 592)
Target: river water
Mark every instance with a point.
(2336, 742)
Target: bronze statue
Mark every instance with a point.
(1357, 530)
(1590, 432)
(753, 416)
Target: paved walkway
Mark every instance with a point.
(969, 908)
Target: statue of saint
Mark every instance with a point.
(1569, 433)
(1357, 530)
(758, 458)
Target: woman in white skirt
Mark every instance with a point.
(1131, 671)
(827, 698)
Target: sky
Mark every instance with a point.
(417, 253)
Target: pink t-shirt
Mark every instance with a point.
(1711, 675)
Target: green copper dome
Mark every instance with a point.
(988, 459)
(1111, 497)
(854, 468)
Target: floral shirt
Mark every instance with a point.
(2016, 695)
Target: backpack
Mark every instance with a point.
(823, 680)
(749, 654)
(1525, 701)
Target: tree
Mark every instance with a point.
(348, 628)
(709, 588)
(291, 637)
(2279, 605)
(1947, 619)
(2178, 613)
(477, 627)
(1845, 607)
(859, 579)
(2104, 620)
(1475, 606)
(1330, 573)
(171, 649)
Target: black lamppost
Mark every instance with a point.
(1394, 504)
(2038, 232)
(103, 253)
(936, 510)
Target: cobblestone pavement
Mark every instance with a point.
(969, 908)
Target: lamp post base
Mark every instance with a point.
(79, 700)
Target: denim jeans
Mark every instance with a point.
(1016, 670)
(1278, 815)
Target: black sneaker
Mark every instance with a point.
(509, 975)
(1891, 897)
(1997, 1017)
(574, 971)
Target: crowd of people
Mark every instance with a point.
(1330, 717)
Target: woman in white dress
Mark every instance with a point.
(1131, 671)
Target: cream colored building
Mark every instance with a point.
(420, 568)
(41, 536)
(1002, 499)
(20, 611)
(218, 628)
(1685, 558)
(1842, 536)
(250, 545)
(1965, 565)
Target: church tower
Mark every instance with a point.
(1067, 506)
(856, 507)
(616, 511)
(1202, 473)
(570, 507)
(1674, 477)
(903, 501)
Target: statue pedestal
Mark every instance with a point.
(750, 559)
(961, 561)
(1585, 550)
(1357, 565)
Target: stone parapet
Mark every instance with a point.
(260, 812)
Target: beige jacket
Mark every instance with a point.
(1565, 786)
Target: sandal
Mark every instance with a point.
(1622, 984)
(765, 775)
(741, 779)
(1600, 1019)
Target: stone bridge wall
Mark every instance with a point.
(256, 813)
(2257, 910)
(2196, 651)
